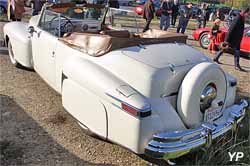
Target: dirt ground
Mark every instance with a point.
(35, 130)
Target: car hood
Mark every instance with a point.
(162, 55)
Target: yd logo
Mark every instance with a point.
(236, 155)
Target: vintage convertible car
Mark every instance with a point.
(148, 92)
(202, 35)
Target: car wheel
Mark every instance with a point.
(12, 56)
(204, 40)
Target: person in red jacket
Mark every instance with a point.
(234, 37)
(213, 46)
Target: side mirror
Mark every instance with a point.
(31, 30)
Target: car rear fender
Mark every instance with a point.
(17, 34)
(91, 94)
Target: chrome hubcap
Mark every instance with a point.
(205, 40)
(207, 97)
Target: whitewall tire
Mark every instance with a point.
(191, 90)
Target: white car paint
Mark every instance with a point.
(93, 88)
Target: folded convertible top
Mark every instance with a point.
(100, 44)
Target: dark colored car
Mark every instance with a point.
(225, 10)
(3, 6)
(195, 11)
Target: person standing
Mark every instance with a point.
(185, 15)
(203, 16)
(148, 13)
(15, 10)
(175, 12)
(213, 46)
(219, 15)
(37, 6)
(166, 11)
(114, 4)
(234, 37)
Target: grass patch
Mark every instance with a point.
(3, 18)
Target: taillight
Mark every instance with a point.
(139, 108)
(136, 112)
(138, 10)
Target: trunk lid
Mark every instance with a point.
(161, 55)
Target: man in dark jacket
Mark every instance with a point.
(166, 11)
(203, 15)
(185, 15)
(113, 3)
(175, 12)
(234, 37)
(148, 13)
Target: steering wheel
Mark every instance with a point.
(65, 27)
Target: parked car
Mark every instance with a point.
(225, 10)
(125, 2)
(119, 84)
(202, 35)
(3, 6)
(140, 9)
(195, 10)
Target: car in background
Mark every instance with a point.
(202, 35)
(3, 6)
(195, 10)
(225, 10)
(141, 2)
(140, 9)
(232, 14)
(125, 2)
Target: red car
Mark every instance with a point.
(202, 35)
(139, 10)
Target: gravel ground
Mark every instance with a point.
(35, 130)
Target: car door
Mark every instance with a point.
(245, 43)
(44, 44)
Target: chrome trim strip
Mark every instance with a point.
(175, 144)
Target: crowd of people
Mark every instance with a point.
(170, 9)
(16, 8)
(169, 12)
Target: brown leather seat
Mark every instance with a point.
(92, 44)
(100, 44)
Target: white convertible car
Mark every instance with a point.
(148, 92)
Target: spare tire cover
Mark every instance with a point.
(196, 80)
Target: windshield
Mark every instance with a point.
(120, 19)
(60, 19)
(84, 12)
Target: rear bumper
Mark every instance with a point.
(175, 144)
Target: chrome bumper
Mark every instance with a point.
(175, 144)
